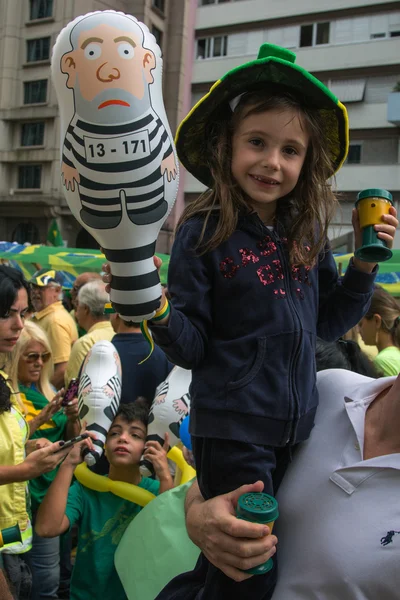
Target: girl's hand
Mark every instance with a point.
(51, 408)
(72, 410)
(157, 455)
(107, 278)
(386, 231)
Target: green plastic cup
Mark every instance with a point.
(371, 205)
(10, 535)
(258, 507)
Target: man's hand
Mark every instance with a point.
(69, 176)
(168, 165)
(231, 544)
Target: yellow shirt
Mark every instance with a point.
(60, 328)
(99, 331)
(14, 496)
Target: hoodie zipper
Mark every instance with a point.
(295, 355)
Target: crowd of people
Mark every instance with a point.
(255, 308)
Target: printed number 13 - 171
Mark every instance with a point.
(134, 146)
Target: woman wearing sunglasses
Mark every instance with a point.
(16, 468)
(30, 374)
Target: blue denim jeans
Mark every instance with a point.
(44, 561)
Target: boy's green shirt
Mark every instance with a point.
(102, 519)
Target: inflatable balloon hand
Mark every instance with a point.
(170, 406)
(99, 394)
(118, 166)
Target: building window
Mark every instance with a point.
(29, 177)
(306, 35)
(158, 34)
(26, 232)
(159, 4)
(38, 49)
(354, 155)
(212, 47)
(40, 9)
(32, 134)
(315, 34)
(35, 91)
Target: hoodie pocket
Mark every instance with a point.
(254, 370)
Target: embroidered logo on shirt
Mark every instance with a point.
(388, 538)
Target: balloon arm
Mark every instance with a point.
(99, 483)
(176, 455)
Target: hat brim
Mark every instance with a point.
(191, 137)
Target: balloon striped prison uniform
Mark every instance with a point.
(115, 158)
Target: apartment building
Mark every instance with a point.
(30, 189)
(353, 46)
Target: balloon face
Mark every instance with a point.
(118, 165)
(170, 406)
(99, 394)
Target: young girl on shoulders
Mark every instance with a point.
(253, 281)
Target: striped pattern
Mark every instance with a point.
(136, 290)
(140, 179)
(112, 391)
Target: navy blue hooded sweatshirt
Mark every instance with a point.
(246, 322)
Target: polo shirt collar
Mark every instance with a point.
(100, 325)
(356, 403)
(51, 308)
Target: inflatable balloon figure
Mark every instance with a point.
(118, 166)
(99, 394)
(170, 406)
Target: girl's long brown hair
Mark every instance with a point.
(304, 214)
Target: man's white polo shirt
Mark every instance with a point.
(339, 524)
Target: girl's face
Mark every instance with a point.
(12, 325)
(31, 362)
(268, 153)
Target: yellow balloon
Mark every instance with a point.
(188, 472)
(99, 483)
(129, 491)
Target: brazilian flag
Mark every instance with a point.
(54, 237)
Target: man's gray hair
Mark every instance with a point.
(114, 19)
(93, 295)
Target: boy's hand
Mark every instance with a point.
(74, 457)
(157, 455)
(386, 231)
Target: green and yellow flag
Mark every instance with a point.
(54, 237)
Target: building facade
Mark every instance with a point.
(353, 46)
(30, 187)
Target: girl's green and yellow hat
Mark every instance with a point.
(274, 65)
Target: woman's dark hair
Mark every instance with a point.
(11, 281)
(304, 214)
(343, 354)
